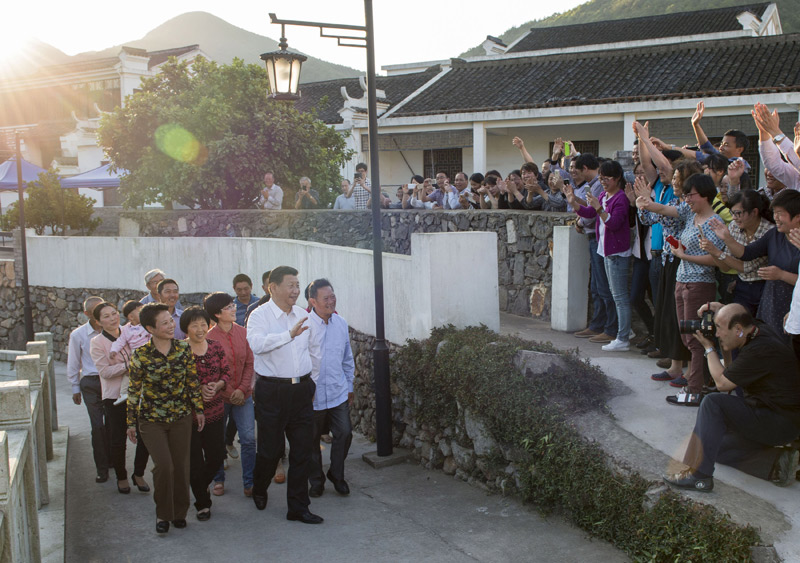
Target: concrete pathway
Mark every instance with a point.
(400, 513)
(641, 409)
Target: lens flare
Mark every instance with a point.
(179, 144)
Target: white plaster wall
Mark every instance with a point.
(208, 264)
(504, 156)
(394, 170)
(7, 197)
(97, 195)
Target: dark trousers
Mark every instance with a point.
(655, 274)
(640, 280)
(338, 420)
(116, 418)
(748, 294)
(169, 444)
(729, 431)
(101, 442)
(286, 410)
(604, 312)
(207, 453)
(230, 429)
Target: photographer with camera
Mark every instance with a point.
(743, 430)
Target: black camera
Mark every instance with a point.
(705, 325)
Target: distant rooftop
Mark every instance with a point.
(681, 24)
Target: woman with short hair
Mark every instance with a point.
(208, 446)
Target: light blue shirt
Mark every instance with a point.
(176, 316)
(241, 308)
(79, 358)
(332, 364)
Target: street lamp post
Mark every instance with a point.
(283, 66)
(27, 310)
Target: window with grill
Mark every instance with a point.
(449, 161)
(750, 155)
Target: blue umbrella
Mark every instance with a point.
(8, 173)
(98, 178)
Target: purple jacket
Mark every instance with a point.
(617, 236)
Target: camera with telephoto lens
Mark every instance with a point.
(705, 325)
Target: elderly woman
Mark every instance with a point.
(162, 394)
(614, 242)
(112, 372)
(208, 446)
(695, 281)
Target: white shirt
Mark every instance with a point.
(275, 352)
(79, 357)
(275, 199)
(793, 320)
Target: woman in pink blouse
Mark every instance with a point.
(112, 373)
(208, 445)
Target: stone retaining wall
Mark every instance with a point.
(525, 238)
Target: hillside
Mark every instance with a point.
(600, 10)
(222, 41)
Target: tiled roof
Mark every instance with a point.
(636, 29)
(684, 70)
(397, 88)
(158, 57)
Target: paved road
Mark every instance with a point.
(401, 513)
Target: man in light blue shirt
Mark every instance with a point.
(85, 382)
(332, 369)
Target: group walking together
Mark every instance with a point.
(175, 382)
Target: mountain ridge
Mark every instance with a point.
(222, 41)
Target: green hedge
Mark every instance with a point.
(559, 469)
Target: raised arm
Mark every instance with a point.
(699, 134)
(523, 151)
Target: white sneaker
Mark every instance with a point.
(232, 451)
(617, 346)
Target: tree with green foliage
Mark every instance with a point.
(204, 135)
(48, 205)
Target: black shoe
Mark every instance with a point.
(162, 527)
(204, 514)
(341, 486)
(645, 342)
(180, 523)
(142, 488)
(101, 478)
(260, 500)
(123, 490)
(686, 480)
(304, 517)
(315, 491)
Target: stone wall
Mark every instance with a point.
(55, 309)
(525, 238)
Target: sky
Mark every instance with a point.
(406, 31)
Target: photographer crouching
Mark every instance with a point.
(743, 431)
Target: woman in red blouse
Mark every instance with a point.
(208, 446)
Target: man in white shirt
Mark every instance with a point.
(271, 195)
(85, 380)
(284, 392)
(332, 371)
(362, 188)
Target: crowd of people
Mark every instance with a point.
(181, 383)
(717, 257)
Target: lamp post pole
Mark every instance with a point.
(380, 350)
(27, 311)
